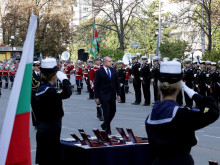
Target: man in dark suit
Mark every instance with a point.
(106, 86)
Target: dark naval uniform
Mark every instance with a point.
(50, 113)
(136, 81)
(214, 84)
(121, 79)
(145, 77)
(155, 76)
(171, 129)
(188, 79)
(35, 85)
(202, 80)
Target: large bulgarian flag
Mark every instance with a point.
(95, 44)
(14, 139)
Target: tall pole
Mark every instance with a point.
(202, 30)
(159, 38)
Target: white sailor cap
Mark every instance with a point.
(120, 62)
(166, 59)
(36, 63)
(201, 62)
(194, 62)
(187, 60)
(170, 71)
(156, 58)
(213, 63)
(133, 57)
(49, 65)
(208, 62)
(144, 58)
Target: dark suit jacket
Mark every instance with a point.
(104, 88)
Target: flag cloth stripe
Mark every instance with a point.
(10, 126)
(21, 153)
(25, 95)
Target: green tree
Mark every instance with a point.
(174, 49)
(53, 31)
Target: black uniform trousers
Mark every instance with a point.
(109, 109)
(156, 92)
(202, 89)
(48, 143)
(146, 90)
(137, 89)
(35, 121)
(122, 93)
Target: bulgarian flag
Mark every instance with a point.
(95, 44)
(14, 139)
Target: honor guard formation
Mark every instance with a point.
(186, 97)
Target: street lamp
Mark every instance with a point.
(12, 44)
(192, 51)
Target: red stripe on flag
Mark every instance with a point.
(95, 33)
(19, 148)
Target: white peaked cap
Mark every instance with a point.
(48, 63)
(170, 67)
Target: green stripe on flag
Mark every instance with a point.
(25, 94)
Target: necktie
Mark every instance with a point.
(108, 72)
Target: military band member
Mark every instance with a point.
(6, 68)
(121, 79)
(145, 77)
(91, 93)
(78, 75)
(96, 66)
(155, 75)
(12, 71)
(1, 69)
(50, 113)
(135, 73)
(170, 127)
(127, 70)
(188, 79)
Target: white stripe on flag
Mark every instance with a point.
(27, 57)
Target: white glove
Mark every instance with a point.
(207, 75)
(61, 76)
(132, 76)
(141, 78)
(152, 80)
(190, 92)
(121, 85)
(139, 69)
(195, 75)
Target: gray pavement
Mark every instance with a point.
(81, 113)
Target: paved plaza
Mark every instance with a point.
(81, 113)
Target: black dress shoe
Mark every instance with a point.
(103, 127)
(146, 104)
(135, 103)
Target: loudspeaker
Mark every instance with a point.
(85, 56)
(80, 54)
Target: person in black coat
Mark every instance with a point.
(121, 78)
(106, 86)
(50, 113)
(135, 73)
(170, 127)
(145, 77)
